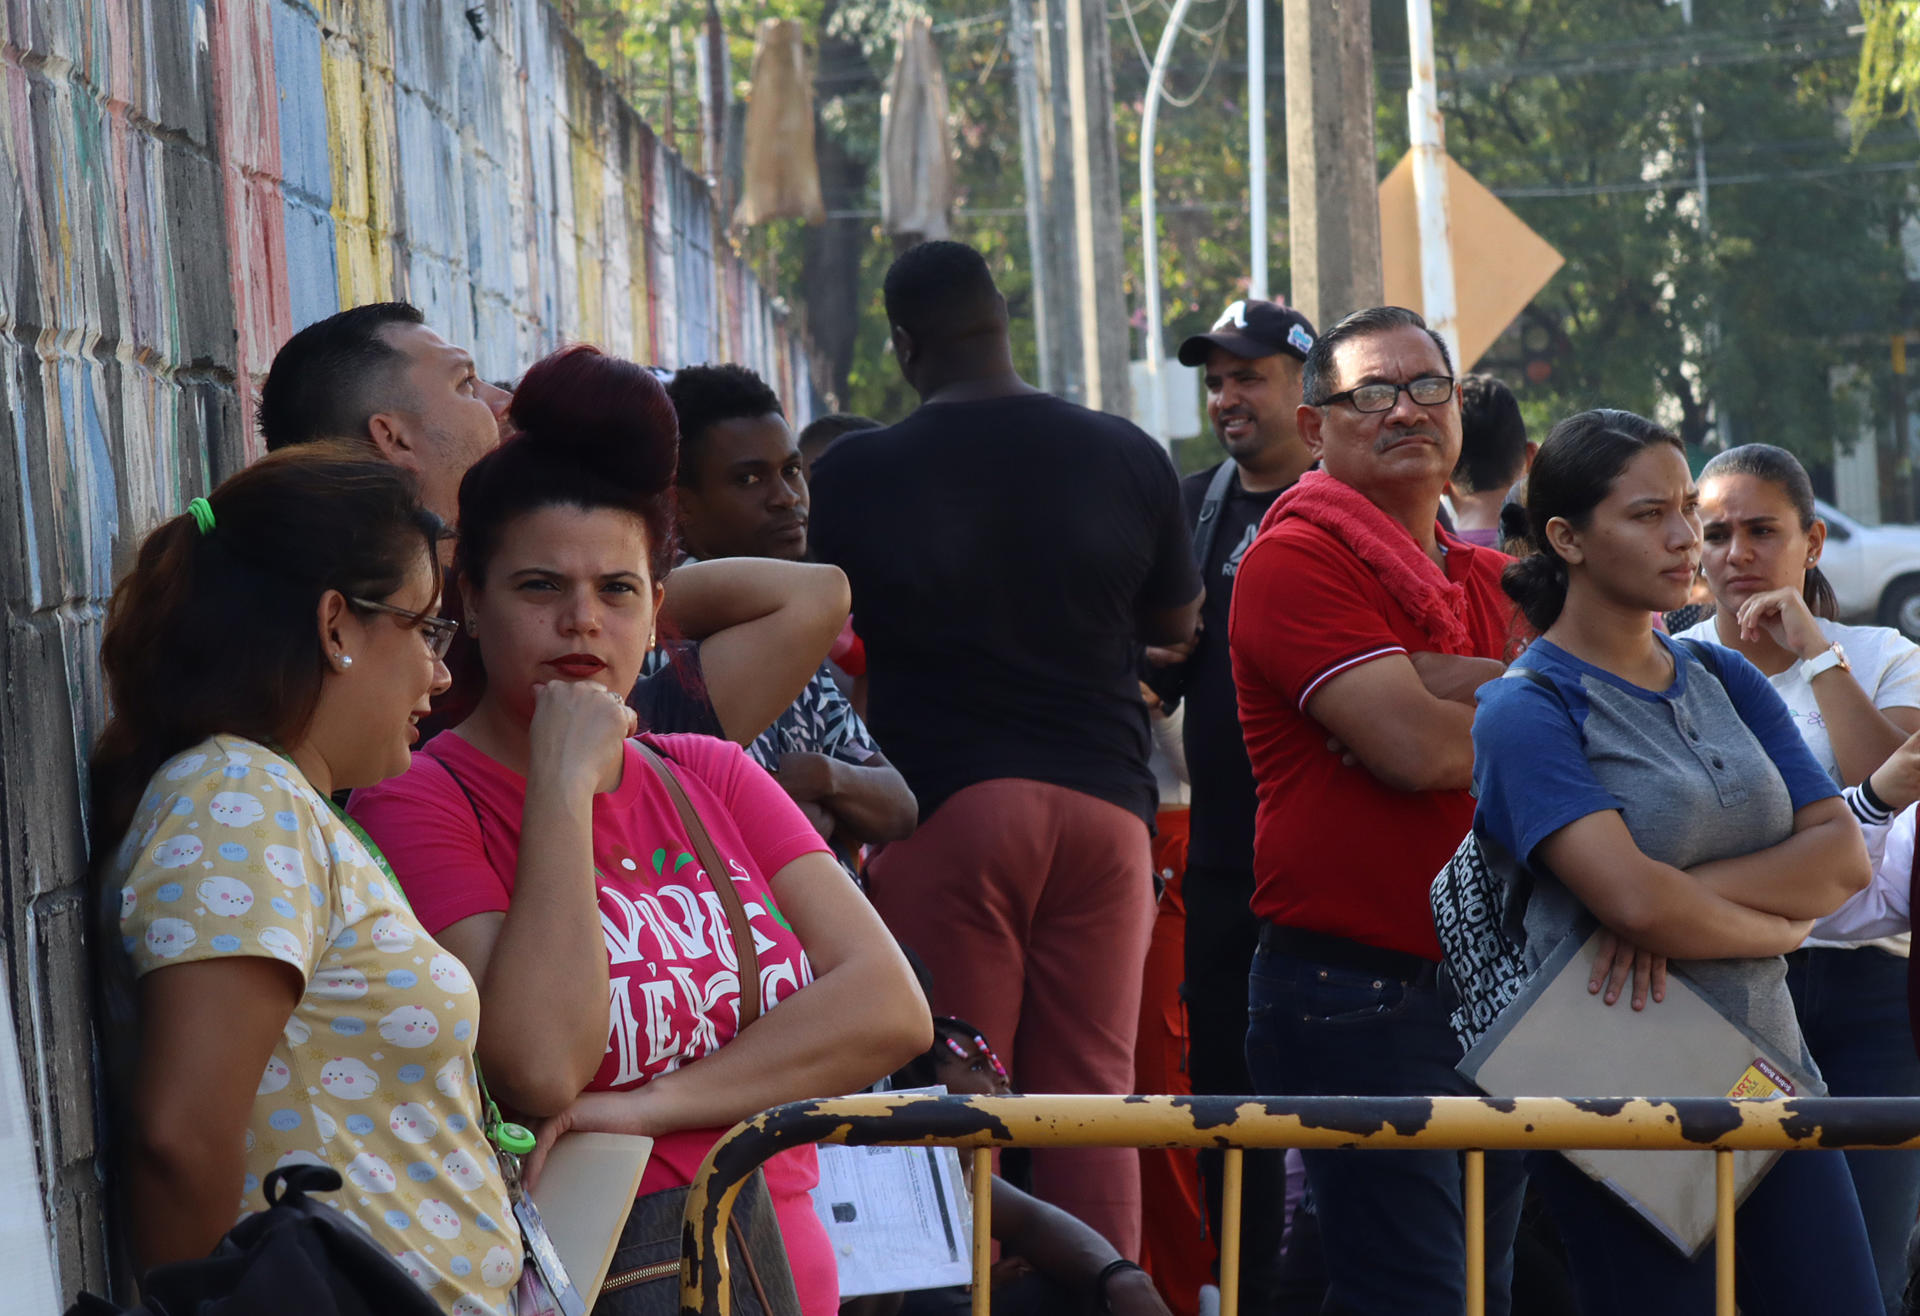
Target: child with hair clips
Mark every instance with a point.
(1660, 790)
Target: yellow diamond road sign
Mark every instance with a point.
(1499, 264)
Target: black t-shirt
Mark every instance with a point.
(1220, 819)
(1002, 553)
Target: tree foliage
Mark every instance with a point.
(1730, 321)
(1889, 78)
(1727, 319)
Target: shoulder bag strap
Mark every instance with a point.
(737, 926)
(472, 803)
(1208, 525)
(1540, 679)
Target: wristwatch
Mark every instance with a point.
(1825, 662)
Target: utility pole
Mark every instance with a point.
(1260, 262)
(713, 100)
(1428, 136)
(1027, 88)
(1089, 320)
(1150, 224)
(1722, 414)
(1333, 195)
(1063, 275)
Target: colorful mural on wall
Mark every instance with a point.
(192, 180)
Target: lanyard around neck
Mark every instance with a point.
(503, 1133)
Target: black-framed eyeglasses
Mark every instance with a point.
(1428, 391)
(438, 632)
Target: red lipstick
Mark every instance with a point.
(577, 666)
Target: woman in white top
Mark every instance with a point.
(1854, 693)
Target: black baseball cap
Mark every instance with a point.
(1253, 329)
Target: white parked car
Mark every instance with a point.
(1875, 570)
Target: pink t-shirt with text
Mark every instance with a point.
(675, 980)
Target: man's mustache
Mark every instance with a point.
(1390, 437)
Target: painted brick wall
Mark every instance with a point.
(192, 180)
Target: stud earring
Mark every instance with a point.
(346, 661)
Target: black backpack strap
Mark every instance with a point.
(1539, 679)
(1208, 524)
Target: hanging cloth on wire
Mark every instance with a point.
(916, 158)
(780, 179)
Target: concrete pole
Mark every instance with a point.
(1256, 149)
(1429, 137)
(1150, 223)
(1084, 258)
(1027, 87)
(1723, 429)
(713, 102)
(1333, 197)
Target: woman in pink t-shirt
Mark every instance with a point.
(539, 847)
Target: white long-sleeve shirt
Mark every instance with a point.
(1884, 906)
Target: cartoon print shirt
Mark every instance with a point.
(232, 853)
(674, 979)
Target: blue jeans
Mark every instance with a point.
(1853, 1009)
(1800, 1245)
(1391, 1222)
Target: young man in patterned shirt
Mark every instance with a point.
(743, 493)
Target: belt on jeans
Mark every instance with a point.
(1345, 953)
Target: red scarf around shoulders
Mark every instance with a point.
(1436, 604)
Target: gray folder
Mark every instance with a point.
(1558, 1040)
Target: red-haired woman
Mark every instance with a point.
(541, 846)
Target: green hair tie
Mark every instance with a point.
(202, 512)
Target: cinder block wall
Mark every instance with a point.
(192, 180)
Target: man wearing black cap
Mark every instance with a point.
(1251, 358)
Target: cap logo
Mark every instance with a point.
(1300, 340)
(1235, 315)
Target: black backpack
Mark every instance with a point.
(296, 1258)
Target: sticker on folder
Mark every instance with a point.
(1762, 1081)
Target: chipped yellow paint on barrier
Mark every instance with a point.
(1361, 1123)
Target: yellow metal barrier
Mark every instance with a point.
(1470, 1124)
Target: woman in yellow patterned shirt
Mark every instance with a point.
(277, 1002)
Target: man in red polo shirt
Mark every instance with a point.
(1359, 632)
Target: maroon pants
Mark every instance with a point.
(1032, 906)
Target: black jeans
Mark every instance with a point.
(1221, 935)
(1391, 1222)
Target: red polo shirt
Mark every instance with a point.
(1335, 851)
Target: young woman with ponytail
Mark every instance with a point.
(543, 846)
(1661, 792)
(272, 646)
(1854, 695)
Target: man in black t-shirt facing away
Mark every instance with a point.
(1009, 553)
(1251, 362)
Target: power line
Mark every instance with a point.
(1524, 192)
(1688, 183)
